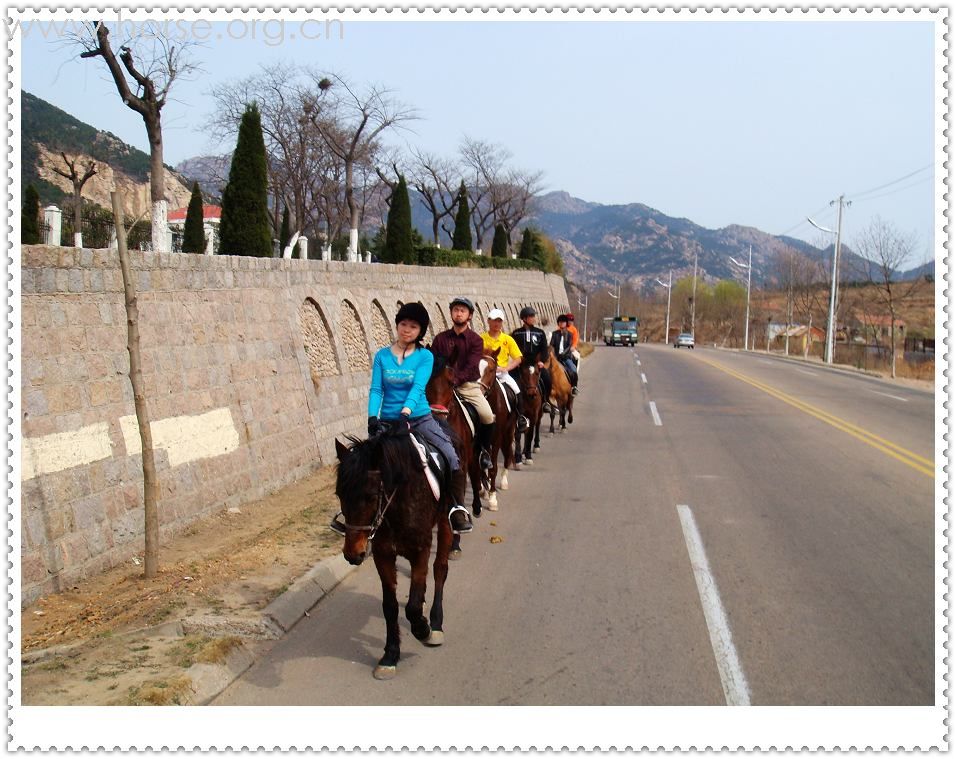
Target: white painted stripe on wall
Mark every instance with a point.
(186, 438)
(62, 450)
(657, 417)
(732, 679)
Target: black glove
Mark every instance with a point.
(373, 425)
(403, 426)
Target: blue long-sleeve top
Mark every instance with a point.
(395, 386)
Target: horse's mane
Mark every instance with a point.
(387, 452)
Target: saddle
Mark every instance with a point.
(471, 414)
(437, 468)
(511, 399)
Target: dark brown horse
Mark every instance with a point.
(506, 422)
(387, 502)
(562, 401)
(529, 381)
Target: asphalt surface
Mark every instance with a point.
(763, 533)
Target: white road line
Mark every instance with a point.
(812, 374)
(657, 418)
(638, 362)
(894, 397)
(765, 361)
(736, 690)
(643, 378)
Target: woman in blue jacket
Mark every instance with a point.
(397, 394)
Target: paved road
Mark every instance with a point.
(714, 528)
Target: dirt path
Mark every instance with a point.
(105, 641)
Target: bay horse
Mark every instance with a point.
(529, 381)
(506, 424)
(562, 401)
(440, 392)
(387, 503)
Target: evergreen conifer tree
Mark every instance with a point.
(30, 217)
(285, 234)
(244, 229)
(461, 239)
(499, 245)
(399, 246)
(194, 235)
(526, 251)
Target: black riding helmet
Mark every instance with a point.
(414, 312)
(527, 311)
(459, 301)
(562, 318)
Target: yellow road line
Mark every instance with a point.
(914, 460)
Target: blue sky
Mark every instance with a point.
(757, 122)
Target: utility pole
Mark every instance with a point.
(667, 324)
(693, 303)
(750, 266)
(834, 280)
(786, 338)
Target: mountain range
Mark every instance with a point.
(601, 244)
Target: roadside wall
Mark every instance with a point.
(253, 367)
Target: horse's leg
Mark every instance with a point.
(537, 432)
(551, 431)
(385, 564)
(493, 474)
(440, 570)
(519, 457)
(474, 474)
(454, 553)
(570, 412)
(415, 608)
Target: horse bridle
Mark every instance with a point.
(383, 503)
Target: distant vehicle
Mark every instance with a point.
(620, 330)
(685, 339)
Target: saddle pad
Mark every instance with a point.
(504, 392)
(433, 482)
(465, 408)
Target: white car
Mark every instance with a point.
(684, 339)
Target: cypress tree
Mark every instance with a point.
(194, 236)
(461, 239)
(30, 217)
(285, 234)
(499, 245)
(399, 247)
(526, 251)
(244, 229)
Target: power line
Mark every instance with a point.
(857, 195)
(893, 192)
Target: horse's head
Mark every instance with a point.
(487, 369)
(528, 377)
(441, 385)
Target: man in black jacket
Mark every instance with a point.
(533, 343)
(562, 342)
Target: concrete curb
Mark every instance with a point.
(306, 592)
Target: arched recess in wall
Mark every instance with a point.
(513, 313)
(440, 318)
(381, 326)
(353, 337)
(478, 319)
(317, 342)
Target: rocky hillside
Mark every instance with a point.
(47, 131)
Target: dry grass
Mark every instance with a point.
(173, 692)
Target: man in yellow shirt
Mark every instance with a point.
(509, 356)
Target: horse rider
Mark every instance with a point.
(509, 357)
(466, 375)
(533, 344)
(575, 339)
(561, 342)
(397, 397)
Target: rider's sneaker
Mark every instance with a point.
(522, 423)
(336, 525)
(574, 391)
(484, 459)
(459, 520)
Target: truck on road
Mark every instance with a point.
(620, 330)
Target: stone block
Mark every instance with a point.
(88, 512)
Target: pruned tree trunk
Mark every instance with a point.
(150, 513)
(157, 189)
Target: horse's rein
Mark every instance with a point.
(383, 504)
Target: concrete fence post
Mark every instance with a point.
(303, 246)
(53, 218)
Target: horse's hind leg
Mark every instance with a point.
(385, 564)
(437, 615)
(415, 608)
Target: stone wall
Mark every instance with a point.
(253, 367)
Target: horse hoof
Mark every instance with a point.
(493, 505)
(436, 638)
(529, 462)
(537, 449)
(454, 554)
(383, 672)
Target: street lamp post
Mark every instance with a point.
(585, 306)
(617, 300)
(667, 327)
(749, 267)
(693, 302)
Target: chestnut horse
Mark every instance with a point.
(562, 400)
(387, 502)
(529, 382)
(506, 423)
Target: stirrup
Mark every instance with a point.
(483, 457)
(468, 525)
(523, 423)
(336, 526)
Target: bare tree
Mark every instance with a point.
(484, 163)
(78, 180)
(433, 177)
(885, 251)
(350, 120)
(151, 70)
(809, 291)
